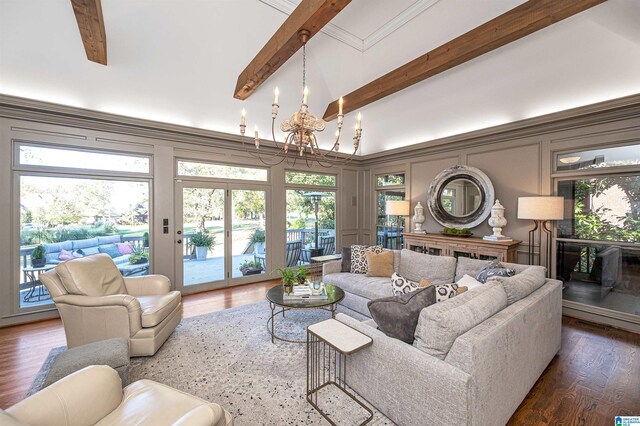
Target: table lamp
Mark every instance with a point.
(542, 210)
(397, 208)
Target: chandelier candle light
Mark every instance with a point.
(300, 139)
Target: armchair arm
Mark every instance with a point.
(148, 285)
(390, 373)
(82, 398)
(334, 267)
(92, 317)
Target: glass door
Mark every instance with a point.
(201, 237)
(221, 234)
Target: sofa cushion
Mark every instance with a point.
(438, 269)
(88, 251)
(83, 244)
(91, 276)
(121, 260)
(57, 247)
(523, 284)
(110, 239)
(346, 259)
(401, 285)
(467, 266)
(441, 324)
(379, 264)
(110, 249)
(361, 285)
(359, 259)
(157, 308)
(397, 316)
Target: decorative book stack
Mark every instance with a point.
(307, 292)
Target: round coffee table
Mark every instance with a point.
(276, 299)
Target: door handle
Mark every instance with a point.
(179, 241)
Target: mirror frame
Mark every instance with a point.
(440, 182)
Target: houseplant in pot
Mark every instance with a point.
(301, 275)
(138, 257)
(258, 239)
(288, 278)
(251, 267)
(37, 257)
(203, 242)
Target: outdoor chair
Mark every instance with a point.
(328, 245)
(97, 303)
(294, 248)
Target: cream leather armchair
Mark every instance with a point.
(94, 396)
(96, 303)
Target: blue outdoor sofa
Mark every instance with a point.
(85, 247)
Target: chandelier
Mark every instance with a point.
(300, 142)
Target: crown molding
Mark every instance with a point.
(14, 107)
(398, 21)
(602, 112)
(362, 45)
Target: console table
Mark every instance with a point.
(472, 247)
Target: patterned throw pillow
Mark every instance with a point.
(494, 269)
(400, 285)
(359, 260)
(446, 291)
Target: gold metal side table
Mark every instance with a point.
(329, 343)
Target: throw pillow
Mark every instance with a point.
(468, 281)
(425, 282)
(379, 265)
(346, 259)
(494, 269)
(400, 285)
(397, 316)
(88, 251)
(358, 258)
(124, 248)
(446, 291)
(110, 249)
(65, 255)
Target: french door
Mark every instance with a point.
(221, 234)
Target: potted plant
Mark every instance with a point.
(139, 257)
(288, 279)
(203, 242)
(258, 239)
(301, 275)
(251, 267)
(37, 257)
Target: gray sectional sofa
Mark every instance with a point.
(476, 356)
(88, 246)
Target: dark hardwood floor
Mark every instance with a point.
(595, 377)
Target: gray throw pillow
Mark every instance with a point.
(346, 259)
(397, 316)
(494, 269)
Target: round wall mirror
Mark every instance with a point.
(461, 197)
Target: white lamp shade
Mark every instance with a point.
(398, 207)
(541, 208)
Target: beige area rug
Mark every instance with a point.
(227, 357)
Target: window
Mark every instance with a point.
(598, 244)
(389, 231)
(599, 158)
(36, 155)
(310, 209)
(221, 171)
(73, 217)
(301, 178)
(63, 213)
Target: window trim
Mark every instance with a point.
(18, 166)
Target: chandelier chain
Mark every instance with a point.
(304, 66)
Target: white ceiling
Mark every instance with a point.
(177, 62)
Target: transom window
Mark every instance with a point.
(70, 158)
(221, 171)
(302, 178)
(599, 158)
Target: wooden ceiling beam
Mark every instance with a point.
(310, 15)
(91, 25)
(519, 22)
